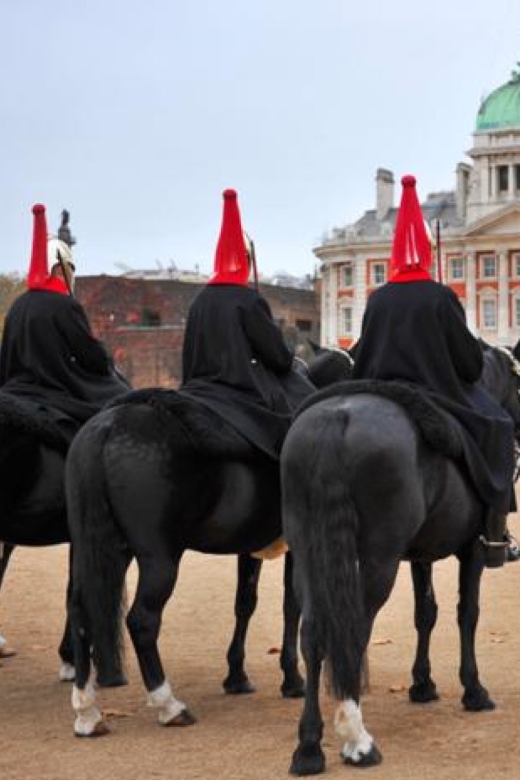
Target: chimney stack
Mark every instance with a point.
(462, 191)
(384, 192)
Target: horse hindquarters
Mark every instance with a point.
(119, 489)
(320, 524)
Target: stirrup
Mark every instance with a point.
(494, 552)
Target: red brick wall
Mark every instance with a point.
(119, 310)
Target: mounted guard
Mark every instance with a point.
(235, 359)
(414, 330)
(49, 355)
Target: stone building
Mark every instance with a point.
(477, 226)
(142, 321)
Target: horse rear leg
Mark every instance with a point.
(248, 573)
(293, 685)
(423, 688)
(5, 553)
(89, 720)
(157, 578)
(476, 697)
(66, 649)
(309, 758)
(66, 652)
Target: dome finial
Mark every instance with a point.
(515, 74)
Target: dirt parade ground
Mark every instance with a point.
(252, 737)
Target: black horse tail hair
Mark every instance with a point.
(100, 558)
(328, 525)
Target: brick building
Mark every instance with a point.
(142, 321)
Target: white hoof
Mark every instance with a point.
(359, 748)
(167, 705)
(89, 721)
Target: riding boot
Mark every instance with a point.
(513, 548)
(494, 539)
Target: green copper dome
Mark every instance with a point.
(501, 109)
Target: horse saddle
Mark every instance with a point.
(50, 426)
(436, 426)
(210, 434)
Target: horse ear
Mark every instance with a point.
(315, 347)
(516, 350)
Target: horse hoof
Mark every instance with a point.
(99, 730)
(7, 652)
(372, 758)
(478, 701)
(238, 687)
(293, 691)
(423, 693)
(184, 718)
(307, 763)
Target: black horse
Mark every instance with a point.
(32, 496)
(363, 490)
(149, 479)
(33, 513)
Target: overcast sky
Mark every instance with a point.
(136, 115)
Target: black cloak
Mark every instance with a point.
(50, 356)
(235, 361)
(417, 332)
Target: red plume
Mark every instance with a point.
(231, 264)
(38, 271)
(412, 248)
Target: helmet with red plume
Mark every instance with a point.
(231, 259)
(46, 250)
(412, 248)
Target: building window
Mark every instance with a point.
(515, 265)
(347, 275)
(503, 178)
(346, 320)
(489, 313)
(488, 267)
(456, 269)
(517, 177)
(304, 326)
(517, 312)
(378, 274)
(150, 318)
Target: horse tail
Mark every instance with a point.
(319, 509)
(99, 556)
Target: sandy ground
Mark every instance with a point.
(252, 737)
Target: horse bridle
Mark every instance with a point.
(298, 359)
(343, 352)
